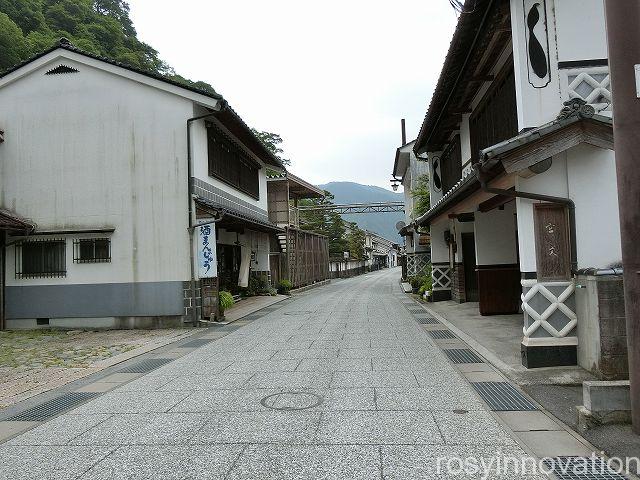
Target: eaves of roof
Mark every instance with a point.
(251, 222)
(466, 185)
(461, 49)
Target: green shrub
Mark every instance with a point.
(284, 286)
(225, 300)
(258, 285)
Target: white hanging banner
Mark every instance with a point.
(207, 259)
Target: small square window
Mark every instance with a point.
(92, 250)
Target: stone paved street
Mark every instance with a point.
(374, 398)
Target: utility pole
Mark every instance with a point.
(623, 35)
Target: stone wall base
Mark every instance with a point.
(548, 356)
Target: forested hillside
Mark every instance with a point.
(102, 27)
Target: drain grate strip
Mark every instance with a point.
(581, 468)
(198, 342)
(503, 397)
(53, 407)
(462, 355)
(427, 321)
(146, 366)
(441, 334)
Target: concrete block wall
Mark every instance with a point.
(613, 332)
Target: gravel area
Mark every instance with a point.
(35, 361)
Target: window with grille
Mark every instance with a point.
(227, 162)
(92, 250)
(41, 258)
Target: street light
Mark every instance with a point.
(395, 183)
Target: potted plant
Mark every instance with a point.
(225, 301)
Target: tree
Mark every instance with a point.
(13, 45)
(421, 196)
(272, 141)
(327, 223)
(356, 238)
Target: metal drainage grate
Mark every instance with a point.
(145, 366)
(199, 342)
(503, 397)
(441, 334)
(300, 312)
(427, 321)
(581, 468)
(53, 407)
(415, 310)
(462, 355)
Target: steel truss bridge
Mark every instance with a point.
(356, 207)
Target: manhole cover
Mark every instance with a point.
(300, 312)
(289, 401)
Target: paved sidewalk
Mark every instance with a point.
(340, 383)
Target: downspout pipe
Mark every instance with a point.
(191, 228)
(567, 202)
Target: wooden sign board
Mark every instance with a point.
(553, 248)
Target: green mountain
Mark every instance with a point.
(381, 223)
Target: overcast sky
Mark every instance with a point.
(333, 78)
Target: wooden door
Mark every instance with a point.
(469, 262)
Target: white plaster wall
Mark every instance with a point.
(586, 174)
(552, 182)
(439, 249)
(200, 160)
(495, 235)
(436, 194)
(407, 184)
(92, 150)
(536, 106)
(593, 187)
(581, 30)
(465, 138)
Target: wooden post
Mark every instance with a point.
(623, 33)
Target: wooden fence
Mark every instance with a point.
(307, 257)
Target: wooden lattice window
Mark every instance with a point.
(451, 165)
(496, 117)
(230, 164)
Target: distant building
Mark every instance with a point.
(147, 196)
(408, 169)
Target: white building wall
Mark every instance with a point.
(580, 30)
(92, 150)
(495, 236)
(439, 248)
(593, 187)
(586, 174)
(552, 182)
(536, 106)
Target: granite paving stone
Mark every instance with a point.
(391, 402)
(259, 427)
(144, 429)
(312, 462)
(48, 462)
(175, 462)
(378, 428)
